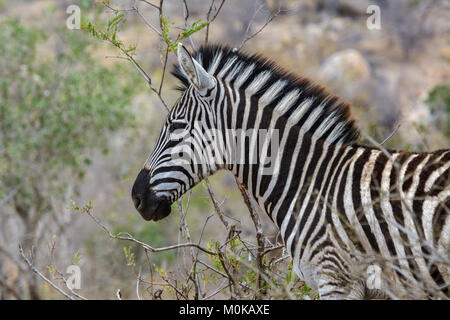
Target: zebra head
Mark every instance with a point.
(174, 166)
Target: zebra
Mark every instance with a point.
(342, 208)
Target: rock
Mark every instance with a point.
(344, 8)
(347, 66)
(352, 6)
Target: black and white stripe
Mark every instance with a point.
(340, 206)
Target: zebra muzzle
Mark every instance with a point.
(146, 202)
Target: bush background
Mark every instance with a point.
(78, 126)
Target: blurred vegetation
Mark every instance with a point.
(56, 109)
(54, 112)
(439, 102)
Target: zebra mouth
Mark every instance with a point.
(162, 210)
(153, 208)
(146, 202)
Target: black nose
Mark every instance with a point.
(139, 189)
(150, 206)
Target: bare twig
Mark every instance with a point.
(116, 9)
(231, 281)
(143, 74)
(128, 237)
(166, 56)
(391, 135)
(259, 232)
(216, 204)
(186, 24)
(249, 37)
(36, 271)
(151, 272)
(216, 291)
(151, 26)
(138, 280)
(185, 229)
(211, 20)
(150, 4)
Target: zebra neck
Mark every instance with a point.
(303, 169)
(275, 140)
(275, 173)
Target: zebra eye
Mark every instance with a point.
(176, 125)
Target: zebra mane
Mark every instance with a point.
(332, 116)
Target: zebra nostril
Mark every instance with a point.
(137, 199)
(140, 191)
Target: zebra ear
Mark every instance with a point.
(198, 76)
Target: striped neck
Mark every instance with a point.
(298, 116)
(278, 163)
